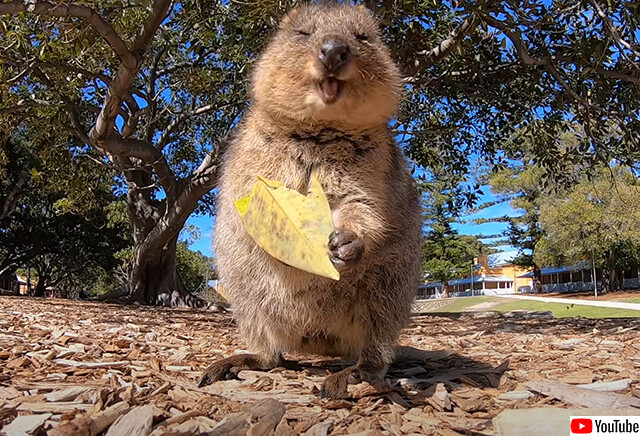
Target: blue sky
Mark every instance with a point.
(205, 225)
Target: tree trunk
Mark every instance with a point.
(610, 278)
(156, 225)
(446, 290)
(154, 278)
(40, 287)
(537, 279)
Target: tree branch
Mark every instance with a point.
(11, 201)
(523, 53)
(50, 9)
(442, 50)
(177, 122)
(203, 180)
(614, 33)
(146, 152)
(125, 76)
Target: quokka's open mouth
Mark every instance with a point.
(330, 89)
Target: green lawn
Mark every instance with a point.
(630, 300)
(460, 303)
(559, 310)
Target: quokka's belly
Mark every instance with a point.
(326, 326)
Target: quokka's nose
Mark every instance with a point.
(334, 53)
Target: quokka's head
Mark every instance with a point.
(328, 63)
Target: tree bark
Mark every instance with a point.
(446, 289)
(154, 278)
(537, 279)
(40, 287)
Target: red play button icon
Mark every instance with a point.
(581, 426)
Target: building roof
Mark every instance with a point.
(480, 279)
(430, 285)
(557, 270)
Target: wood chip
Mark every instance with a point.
(612, 386)
(62, 407)
(85, 380)
(68, 394)
(137, 422)
(581, 396)
(25, 425)
(90, 365)
(515, 396)
(319, 429)
(255, 419)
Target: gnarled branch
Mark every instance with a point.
(125, 76)
(200, 182)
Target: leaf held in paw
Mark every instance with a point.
(290, 226)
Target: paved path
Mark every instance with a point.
(567, 301)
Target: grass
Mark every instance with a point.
(559, 310)
(460, 303)
(630, 300)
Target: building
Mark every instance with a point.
(9, 284)
(579, 277)
(429, 290)
(492, 274)
(13, 284)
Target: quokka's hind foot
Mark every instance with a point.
(228, 368)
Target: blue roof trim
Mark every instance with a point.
(558, 270)
(480, 279)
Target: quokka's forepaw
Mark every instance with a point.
(345, 249)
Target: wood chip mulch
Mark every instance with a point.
(77, 368)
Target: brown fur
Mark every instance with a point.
(290, 132)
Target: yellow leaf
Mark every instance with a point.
(291, 227)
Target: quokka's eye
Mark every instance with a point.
(361, 37)
(303, 33)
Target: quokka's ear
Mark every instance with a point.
(288, 19)
(363, 8)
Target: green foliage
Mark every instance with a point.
(572, 68)
(539, 68)
(195, 269)
(521, 184)
(446, 254)
(66, 237)
(595, 220)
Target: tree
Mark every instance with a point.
(194, 268)
(154, 105)
(58, 231)
(520, 186)
(154, 88)
(479, 71)
(521, 183)
(446, 255)
(59, 246)
(16, 179)
(595, 221)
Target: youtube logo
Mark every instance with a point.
(581, 426)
